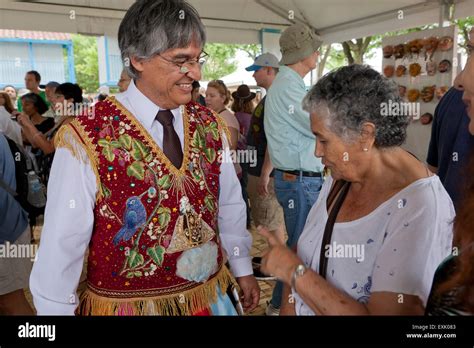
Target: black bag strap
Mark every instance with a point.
(339, 191)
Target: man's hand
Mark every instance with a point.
(250, 292)
(262, 186)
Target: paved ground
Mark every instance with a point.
(259, 245)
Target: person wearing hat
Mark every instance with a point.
(265, 210)
(298, 173)
(243, 107)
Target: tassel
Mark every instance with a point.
(73, 138)
(223, 129)
(187, 302)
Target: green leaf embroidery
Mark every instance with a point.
(103, 142)
(135, 259)
(138, 274)
(130, 275)
(164, 216)
(200, 130)
(116, 144)
(215, 134)
(213, 130)
(107, 151)
(139, 149)
(196, 176)
(157, 254)
(210, 154)
(126, 141)
(198, 140)
(105, 191)
(209, 201)
(136, 155)
(165, 182)
(149, 158)
(136, 170)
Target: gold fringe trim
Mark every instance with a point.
(185, 303)
(81, 149)
(223, 129)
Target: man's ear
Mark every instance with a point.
(367, 135)
(137, 63)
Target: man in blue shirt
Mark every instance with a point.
(451, 144)
(266, 210)
(291, 143)
(14, 231)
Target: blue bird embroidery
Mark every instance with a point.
(133, 218)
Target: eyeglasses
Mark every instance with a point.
(186, 65)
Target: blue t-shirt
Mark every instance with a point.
(451, 145)
(13, 219)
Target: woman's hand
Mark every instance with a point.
(278, 260)
(24, 121)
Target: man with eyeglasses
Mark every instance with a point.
(152, 189)
(298, 173)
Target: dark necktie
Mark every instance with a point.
(171, 144)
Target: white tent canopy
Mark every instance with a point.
(238, 21)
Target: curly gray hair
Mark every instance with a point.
(151, 27)
(353, 95)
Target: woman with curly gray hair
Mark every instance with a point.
(382, 222)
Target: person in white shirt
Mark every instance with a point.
(162, 72)
(8, 126)
(392, 216)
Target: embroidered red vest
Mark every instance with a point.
(154, 247)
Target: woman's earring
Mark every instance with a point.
(366, 149)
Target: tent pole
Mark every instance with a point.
(445, 13)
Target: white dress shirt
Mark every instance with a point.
(69, 218)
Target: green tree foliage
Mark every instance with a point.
(222, 61)
(464, 26)
(86, 62)
(252, 50)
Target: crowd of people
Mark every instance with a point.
(355, 224)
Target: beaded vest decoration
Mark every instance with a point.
(154, 246)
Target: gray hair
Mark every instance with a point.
(151, 27)
(352, 95)
(52, 84)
